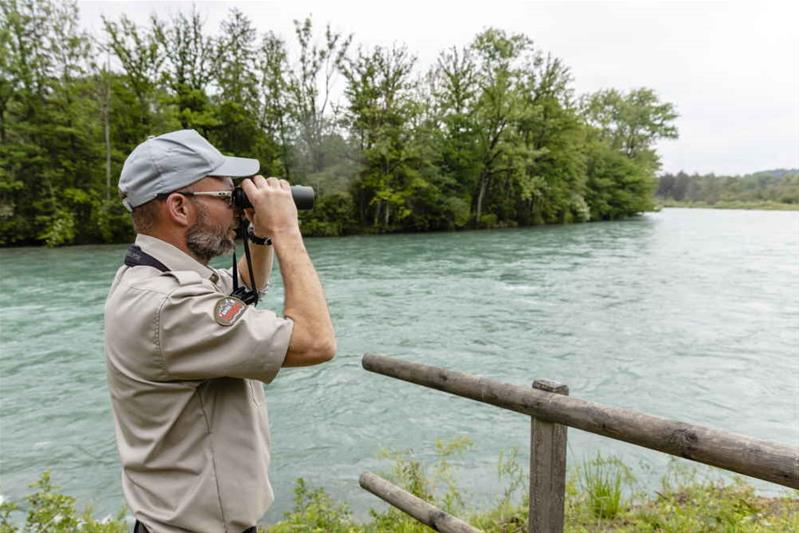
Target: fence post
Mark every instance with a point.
(547, 469)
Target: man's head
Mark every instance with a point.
(158, 184)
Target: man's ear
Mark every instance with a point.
(177, 209)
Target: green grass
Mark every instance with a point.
(601, 496)
(601, 481)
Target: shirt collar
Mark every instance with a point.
(173, 257)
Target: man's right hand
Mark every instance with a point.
(273, 212)
(274, 215)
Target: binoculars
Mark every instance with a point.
(303, 197)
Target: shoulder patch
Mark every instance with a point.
(228, 310)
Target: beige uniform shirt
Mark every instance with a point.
(189, 407)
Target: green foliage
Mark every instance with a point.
(631, 123)
(49, 511)
(759, 189)
(308, 88)
(510, 512)
(595, 502)
(59, 228)
(491, 136)
(617, 186)
(6, 508)
(331, 216)
(315, 512)
(602, 480)
(687, 503)
(435, 485)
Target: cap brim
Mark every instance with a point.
(237, 167)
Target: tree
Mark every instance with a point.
(379, 113)
(236, 83)
(551, 128)
(309, 89)
(273, 90)
(492, 135)
(617, 186)
(500, 61)
(50, 151)
(142, 59)
(188, 68)
(631, 123)
(454, 92)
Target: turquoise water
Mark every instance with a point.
(687, 314)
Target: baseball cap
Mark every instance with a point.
(172, 161)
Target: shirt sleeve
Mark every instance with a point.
(194, 345)
(226, 279)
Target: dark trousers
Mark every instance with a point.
(140, 528)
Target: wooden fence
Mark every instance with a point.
(552, 411)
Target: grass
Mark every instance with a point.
(601, 481)
(601, 496)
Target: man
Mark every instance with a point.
(185, 360)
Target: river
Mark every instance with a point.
(686, 314)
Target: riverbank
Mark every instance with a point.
(601, 496)
(761, 206)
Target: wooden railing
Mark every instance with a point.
(552, 411)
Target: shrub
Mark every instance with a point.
(315, 511)
(52, 512)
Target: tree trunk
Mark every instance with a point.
(480, 195)
(107, 132)
(106, 110)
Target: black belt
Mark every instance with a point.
(141, 528)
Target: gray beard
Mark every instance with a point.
(206, 240)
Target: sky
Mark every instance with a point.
(730, 68)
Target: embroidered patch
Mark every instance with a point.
(228, 309)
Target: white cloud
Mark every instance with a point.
(730, 68)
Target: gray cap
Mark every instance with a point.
(172, 161)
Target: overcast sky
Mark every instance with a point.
(730, 68)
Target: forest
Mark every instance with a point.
(779, 187)
(492, 134)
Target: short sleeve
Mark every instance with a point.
(225, 282)
(195, 345)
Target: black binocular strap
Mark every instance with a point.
(135, 256)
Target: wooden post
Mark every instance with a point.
(547, 468)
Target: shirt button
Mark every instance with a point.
(214, 277)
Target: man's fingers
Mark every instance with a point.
(248, 185)
(285, 185)
(260, 181)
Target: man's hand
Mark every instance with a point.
(273, 212)
(274, 215)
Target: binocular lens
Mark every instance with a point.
(303, 197)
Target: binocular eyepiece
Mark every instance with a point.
(303, 197)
